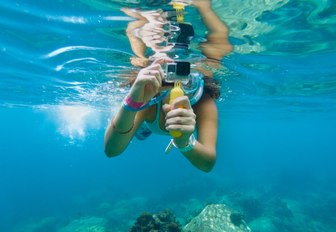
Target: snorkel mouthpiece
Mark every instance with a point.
(175, 93)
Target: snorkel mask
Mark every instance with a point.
(177, 71)
(178, 34)
(192, 83)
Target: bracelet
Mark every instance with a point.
(189, 147)
(131, 105)
(121, 132)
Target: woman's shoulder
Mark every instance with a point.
(205, 104)
(205, 98)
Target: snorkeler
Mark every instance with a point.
(147, 103)
(192, 119)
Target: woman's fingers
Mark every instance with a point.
(180, 116)
(181, 119)
(149, 80)
(181, 102)
(156, 70)
(147, 83)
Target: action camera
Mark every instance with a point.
(177, 71)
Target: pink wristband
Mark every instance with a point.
(135, 105)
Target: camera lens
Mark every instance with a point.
(171, 68)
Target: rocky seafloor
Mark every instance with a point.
(261, 208)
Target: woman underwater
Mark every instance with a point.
(194, 116)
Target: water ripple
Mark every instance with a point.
(57, 52)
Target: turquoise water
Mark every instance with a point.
(59, 69)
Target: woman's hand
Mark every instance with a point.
(147, 83)
(180, 117)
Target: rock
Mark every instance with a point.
(217, 218)
(163, 221)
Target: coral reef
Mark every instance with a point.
(163, 221)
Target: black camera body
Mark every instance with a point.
(177, 71)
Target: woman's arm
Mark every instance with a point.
(211, 20)
(203, 154)
(123, 126)
(217, 44)
(121, 130)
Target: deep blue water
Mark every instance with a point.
(58, 88)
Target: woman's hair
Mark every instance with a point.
(212, 87)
